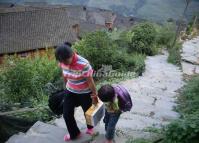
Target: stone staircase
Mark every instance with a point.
(47, 133)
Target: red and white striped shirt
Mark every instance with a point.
(76, 74)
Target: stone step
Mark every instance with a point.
(100, 139)
(45, 133)
(162, 109)
(138, 122)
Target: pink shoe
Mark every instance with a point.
(90, 131)
(67, 137)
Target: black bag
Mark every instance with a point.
(55, 102)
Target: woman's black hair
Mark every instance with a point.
(63, 52)
(106, 93)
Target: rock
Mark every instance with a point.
(190, 69)
(190, 51)
(190, 57)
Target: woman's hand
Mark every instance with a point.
(94, 98)
(93, 90)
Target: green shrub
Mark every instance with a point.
(98, 48)
(186, 129)
(24, 78)
(143, 38)
(16, 81)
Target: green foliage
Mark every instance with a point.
(194, 23)
(174, 54)
(165, 35)
(153, 130)
(189, 102)
(138, 141)
(136, 62)
(115, 34)
(147, 38)
(189, 28)
(143, 38)
(23, 79)
(124, 39)
(186, 129)
(100, 49)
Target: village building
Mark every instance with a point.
(27, 29)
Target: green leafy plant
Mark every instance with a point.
(100, 49)
(186, 129)
(143, 38)
(24, 79)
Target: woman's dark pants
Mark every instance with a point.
(72, 100)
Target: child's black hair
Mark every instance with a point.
(63, 52)
(106, 93)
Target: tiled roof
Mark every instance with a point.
(28, 30)
(24, 28)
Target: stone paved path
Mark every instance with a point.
(154, 95)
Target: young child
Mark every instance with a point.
(115, 101)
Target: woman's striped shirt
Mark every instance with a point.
(76, 74)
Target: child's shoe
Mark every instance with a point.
(90, 131)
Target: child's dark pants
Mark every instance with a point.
(72, 100)
(110, 121)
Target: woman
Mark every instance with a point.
(80, 86)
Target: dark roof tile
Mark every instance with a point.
(28, 30)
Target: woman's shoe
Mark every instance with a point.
(67, 137)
